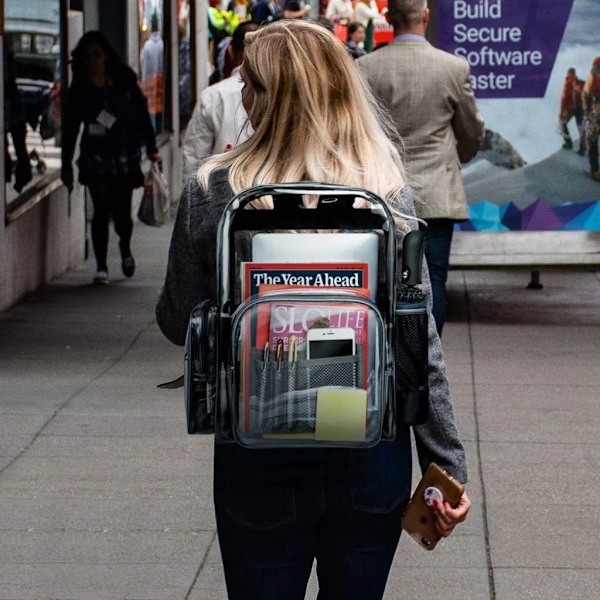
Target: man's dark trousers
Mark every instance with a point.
(437, 253)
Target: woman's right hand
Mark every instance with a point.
(447, 518)
(66, 175)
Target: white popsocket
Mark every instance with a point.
(432, 493)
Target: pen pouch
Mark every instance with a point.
(280, 394)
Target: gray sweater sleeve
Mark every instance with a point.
(437, 440)
(191, 268)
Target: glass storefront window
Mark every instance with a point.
(32, 73)
(152, 58)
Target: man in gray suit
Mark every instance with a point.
(428, 93)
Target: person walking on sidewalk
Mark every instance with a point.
(356, 39)
(105, 97)
(152, 73)
(428, 92)
(219, 120)
(279, 510)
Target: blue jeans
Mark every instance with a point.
(437, 253)
(278, 510)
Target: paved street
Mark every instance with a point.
(104, 496)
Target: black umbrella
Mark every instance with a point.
(411, 340)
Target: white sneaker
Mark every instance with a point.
(101, 278)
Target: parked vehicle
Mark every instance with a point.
(32, 31)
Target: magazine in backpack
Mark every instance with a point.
(313, 342)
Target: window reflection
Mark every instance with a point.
(31, 90)
(152, 58)
(186, 84)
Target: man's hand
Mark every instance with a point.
(447, 518)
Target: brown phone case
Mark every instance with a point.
(418, 519)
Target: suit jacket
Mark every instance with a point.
(428, 93)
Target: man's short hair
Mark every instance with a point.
(237, 38)
(405, 14)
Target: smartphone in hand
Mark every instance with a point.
(418, 520)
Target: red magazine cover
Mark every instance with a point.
(263, 319)
(261, 277)
(296, 318)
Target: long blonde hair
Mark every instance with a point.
(314, 117)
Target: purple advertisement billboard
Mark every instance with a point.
(535, 70)
(511, 45)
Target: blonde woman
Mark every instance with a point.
(278, 511)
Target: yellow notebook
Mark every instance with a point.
(341, 415)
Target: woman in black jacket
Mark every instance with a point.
(105, 97)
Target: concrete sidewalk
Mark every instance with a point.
(103, 495)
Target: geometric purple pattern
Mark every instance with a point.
(538, 216)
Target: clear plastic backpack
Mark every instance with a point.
(314, 340)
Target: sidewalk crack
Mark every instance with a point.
(486, 529)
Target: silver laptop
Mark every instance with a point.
(319, 247)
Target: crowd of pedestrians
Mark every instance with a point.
(262, 120)
(352, 21)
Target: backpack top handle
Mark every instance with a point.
(335, 210)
